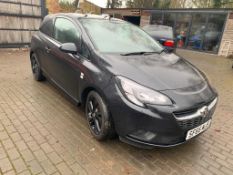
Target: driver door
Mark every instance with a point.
(66, 70)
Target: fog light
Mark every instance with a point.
(143, 135)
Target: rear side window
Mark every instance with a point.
(65, 31)
(47, 27)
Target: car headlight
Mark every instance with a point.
(141, 95)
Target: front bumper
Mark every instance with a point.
(154, 125)
(185, 122)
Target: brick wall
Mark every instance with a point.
(145, 19)
(226, 47)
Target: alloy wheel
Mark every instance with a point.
(94, 115)
(35, 65)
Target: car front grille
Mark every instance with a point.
(192, 118)
(192, 123)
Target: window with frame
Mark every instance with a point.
(47, 28)
(65, 31)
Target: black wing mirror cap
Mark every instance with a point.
(69, 48)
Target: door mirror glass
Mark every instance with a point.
(69, 48)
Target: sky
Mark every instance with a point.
(101, 3)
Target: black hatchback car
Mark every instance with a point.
(129, 85)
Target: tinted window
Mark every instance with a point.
(113, 36)
(213, 33)
(47, 27)
(181, 28)
(157, 18)
(169, 19)
(65, 31)
(197, 32)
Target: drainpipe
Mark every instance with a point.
(44, 10)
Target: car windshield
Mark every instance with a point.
(159, 31)
(115, 36)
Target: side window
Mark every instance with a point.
(47, 28)
(65, 31)
(85, 51)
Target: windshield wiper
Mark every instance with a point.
(133, 53)
(141, 53)
(163, 50)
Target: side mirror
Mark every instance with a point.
(69, 48)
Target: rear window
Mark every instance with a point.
(159, 31)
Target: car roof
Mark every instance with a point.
(79, 15)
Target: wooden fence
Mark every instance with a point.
(19, 19)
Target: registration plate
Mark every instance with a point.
(195, 131)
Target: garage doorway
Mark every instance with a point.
(132, 19)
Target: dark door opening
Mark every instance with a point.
(132, 19)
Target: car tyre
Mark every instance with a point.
(36, 70)
(98, 117)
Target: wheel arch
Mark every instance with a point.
(84, 95)
(87, 90)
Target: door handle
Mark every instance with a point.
(48, 50)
